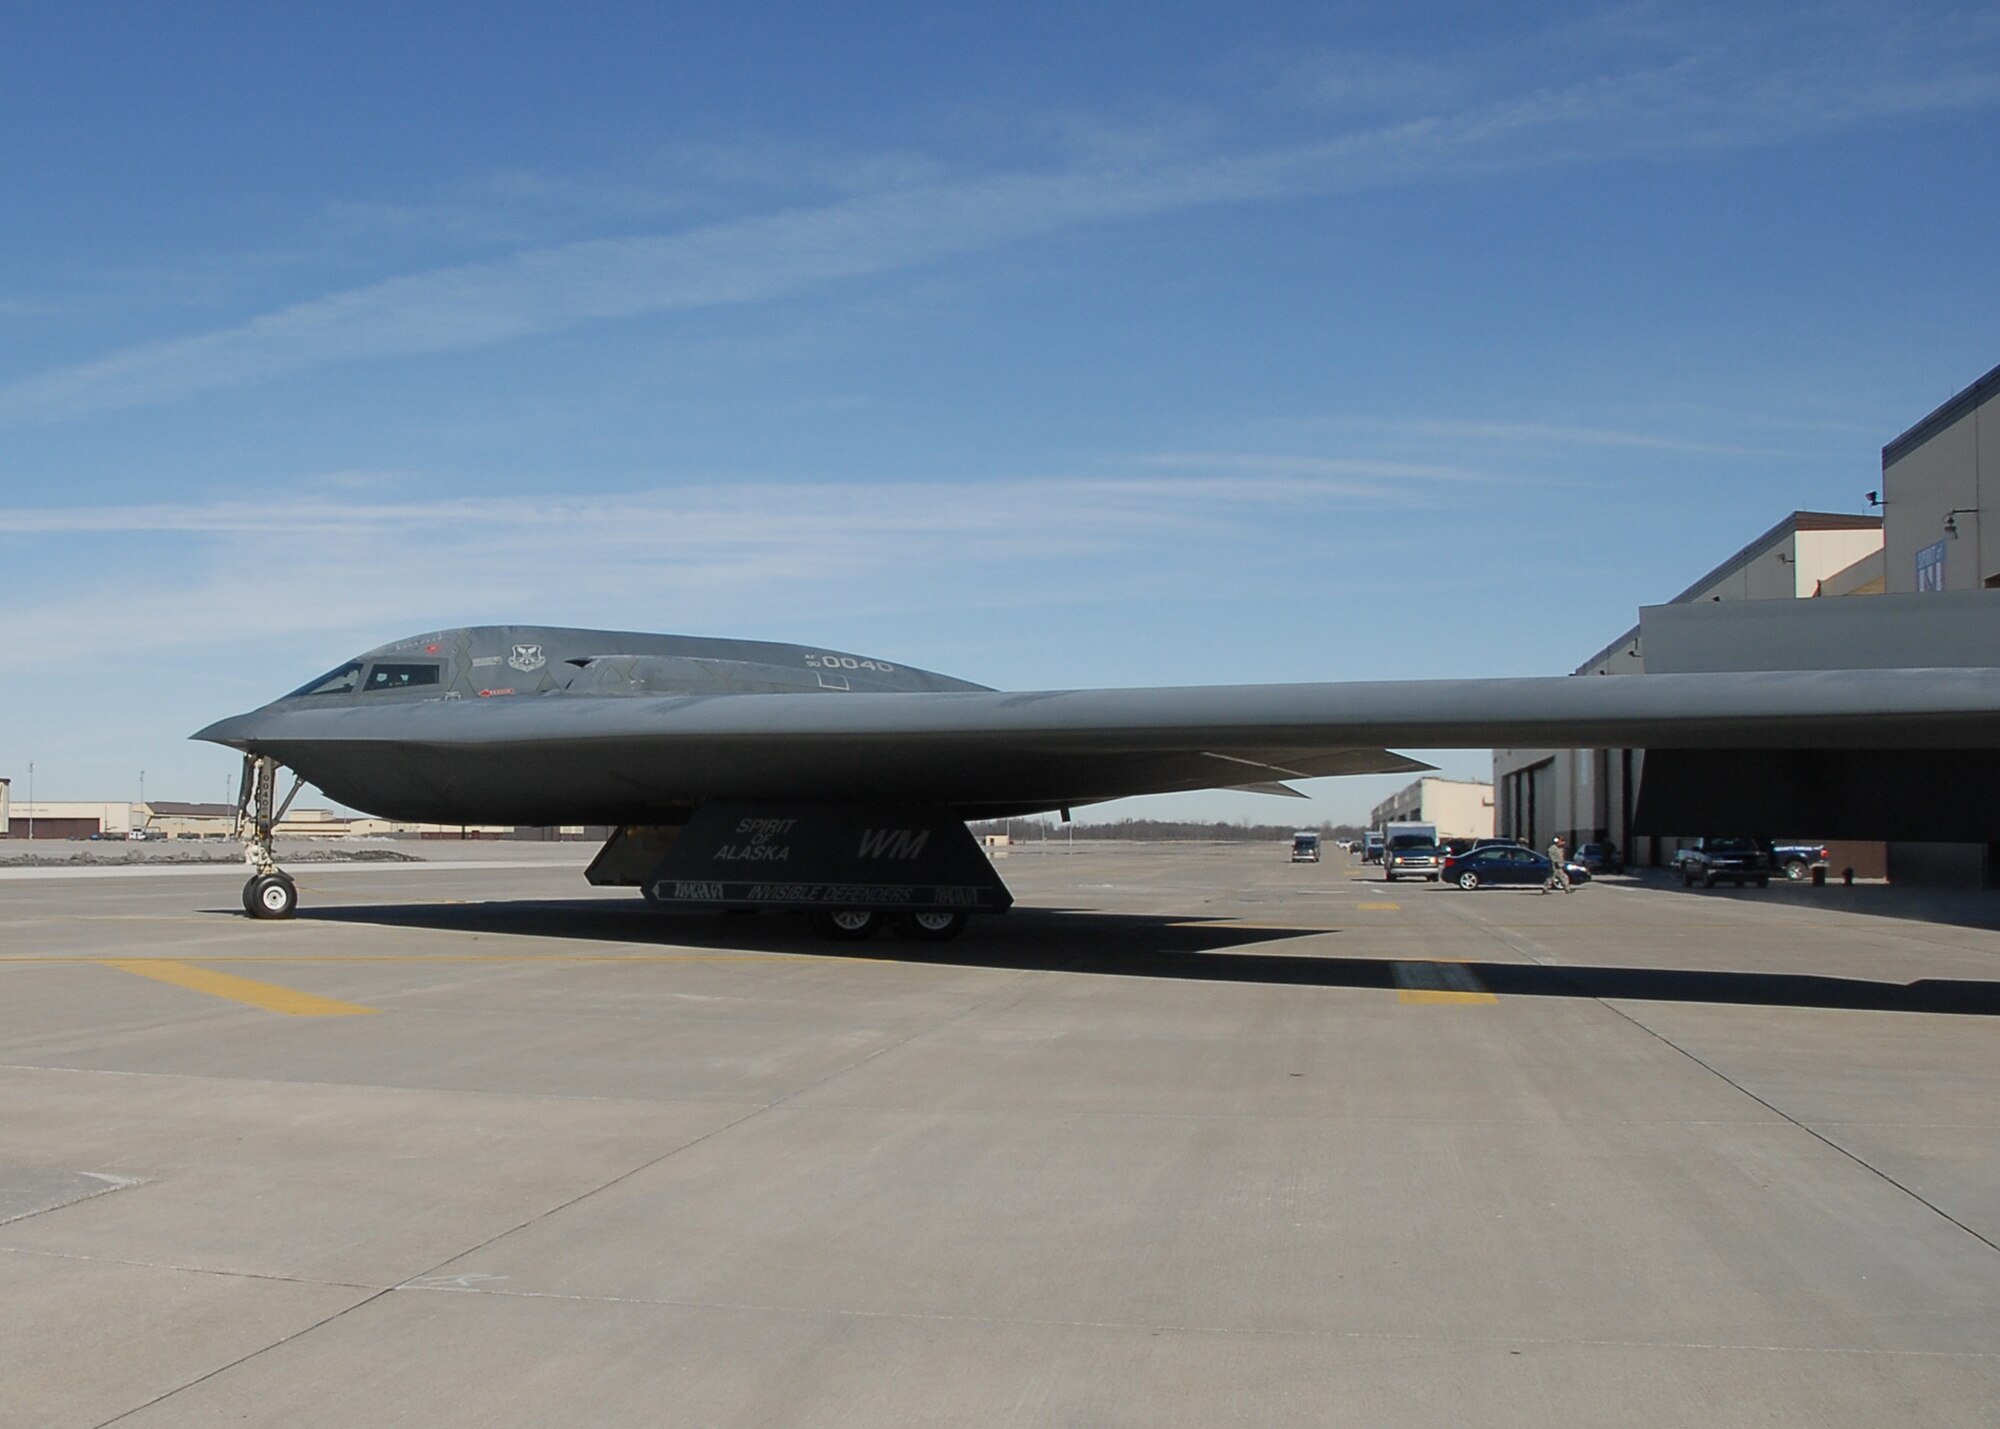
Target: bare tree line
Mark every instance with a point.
(1158, 830)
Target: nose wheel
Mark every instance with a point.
(270, 892)
(270, 895)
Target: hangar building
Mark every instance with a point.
(1929, 538)
(1590, 795)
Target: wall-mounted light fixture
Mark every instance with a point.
(1951, 519)
(1875, 498)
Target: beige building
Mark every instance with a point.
(1590, 795)
(1461, 808)
(1933, 498)
(72, 818)
(1931, 536)
(1934, 495)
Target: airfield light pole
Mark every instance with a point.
(31, 801)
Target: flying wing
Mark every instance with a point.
(757, 775)
(564, 758)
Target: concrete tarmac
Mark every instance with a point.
(1193, 1136)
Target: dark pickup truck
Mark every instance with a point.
(1798, 859)
(1739, 861)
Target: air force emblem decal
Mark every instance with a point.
(527, 658)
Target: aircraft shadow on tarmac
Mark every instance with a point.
(1186, 948)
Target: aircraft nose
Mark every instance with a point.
(237, 731)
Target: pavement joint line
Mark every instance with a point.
(1242, 1331)
(1543, 959)
(1933, 1207)
(112, 1182)
(374, 1088)
(216, 1270)
(1343, 1119)
(756, 1111)
(221, 1369)
(645, 1301)
(267, 995)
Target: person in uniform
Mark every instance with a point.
(1559, 874)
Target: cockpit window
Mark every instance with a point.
(343, 681)
(400, 677)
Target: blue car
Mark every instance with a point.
(1495, 863)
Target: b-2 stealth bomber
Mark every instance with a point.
(749, 774)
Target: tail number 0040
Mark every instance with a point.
(847, 662)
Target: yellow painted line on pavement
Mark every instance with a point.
(1380, 907)
(266, 995)
(43, 958)
(1439, 982)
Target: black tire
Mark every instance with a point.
(1708, 880)
(932, 927)
(1797, 869)
(271, 895)
(1763, 883)
(1687, 876)
(1468, 880)
(848, 925)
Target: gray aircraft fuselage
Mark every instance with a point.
(413, 729)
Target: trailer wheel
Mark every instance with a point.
(933, 927)
(848, 925)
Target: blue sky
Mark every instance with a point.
(1074, 345)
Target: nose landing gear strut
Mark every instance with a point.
(270, 892)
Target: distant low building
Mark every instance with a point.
(70, 819)
(1461, 808)
(176, 820)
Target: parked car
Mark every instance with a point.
(1601, 858)
(1503, 862)
(1497, 863)
(1709, 861)
(1797, 860)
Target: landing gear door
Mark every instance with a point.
(885, 858)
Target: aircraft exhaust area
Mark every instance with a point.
(1191, 1135)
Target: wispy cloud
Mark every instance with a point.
(1542, 437)
(1388, 477)
(725, 557)
(1697, 84)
